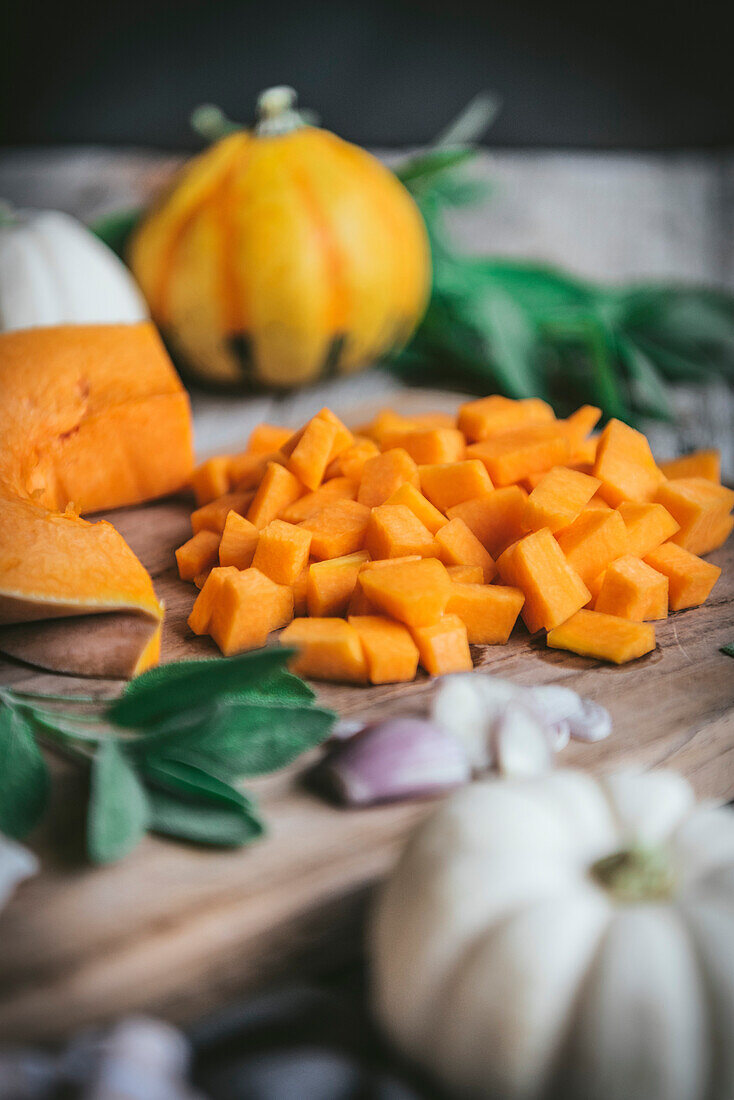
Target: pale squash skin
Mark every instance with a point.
(276, 259)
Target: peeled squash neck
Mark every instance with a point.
(91, 417)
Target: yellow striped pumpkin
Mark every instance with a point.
(282, 254)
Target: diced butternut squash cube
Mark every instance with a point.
(625, 466)
(488, 611)
(278, 489)
(435, 419)
(415, 593)
(603, 637)
(495, 518)
(350, 462)
(443, 646)
(633, 590)
(699, 507)
(197, 555)
(213, 516)
(598, 504)
(238, 543)
(450, 483)
(391, 653)
(246, 470)
(311, 452)
(300, 592)
(592, 541)
(248, 606)
(386, 421)
(331, 583)
(429, 445)
(458, 546)
(466, 574)
(648, 526)
(359, 604)
(533, 480)
(337, 488)
(553, 590)
(513, 455)
(577, 427)
(385, 473)
(491, 415)
(420, 506)
(698, 464)
(282, 551)
(211, 479)
(338, 529)
(557, 499)
(201, 578)
(585, 454)
(266, 438)
(394, 531)
(690, 579)
(343, 438)
(328, 649)
(204, 604)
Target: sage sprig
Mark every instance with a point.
(165, 755)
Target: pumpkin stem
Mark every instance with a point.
(211, 123)
(276, 111)
(635, 875)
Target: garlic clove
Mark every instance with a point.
(593, 724)
(558, 734)
(521, 743)
(466, 706)
(553, 703)
(399, 758)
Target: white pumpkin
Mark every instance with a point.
(54, 271)
(565, 936)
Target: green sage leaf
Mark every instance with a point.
(118, 808)
(225, 826)
(24, 779)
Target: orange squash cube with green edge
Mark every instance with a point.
(491, 415)
(327, 649)
(488, 611)
(625, 465)
(648, 526)
(420, 506)
(330, 584)
(248, 606)
(197, 555)
(705, 464)
(558, 499)
(414, 593)
(513, 455)
(450, 483)
(701, 509)
(443, 646)
(204, 604)
(278, 489)
(336, 488)
(282, 551)
(394, 531)
(338, 529)
(631, 589)
(391, 653)
(690, 578)
(603, 637)
(238, 542)
(592, 541)
(553, 590)
(429, 445)
(385, 473)
(458, 546)
(213, 516)
(211, 479)
(495, 518)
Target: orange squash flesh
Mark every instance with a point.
(603, 637)
(488, 611)
(625, 466)
(592, 541)
(495, 518)
(211, 479)
(390, 652)
(511, 456)
(312, 452)
(338, 529)
(700, 508)
(553, 590)
(443, 646)
(385, 473)
(266, 438)
(698, 464)
(197, 555)
(394, 531)
(330, 584)
(491, 415)
(633, 590)
(213, 516)
(420, 506)
(466, 574)
(414, 593)
(648, 526)
(239, 542)
(336, 488)
(350, 462)
(429, 445)
(201, 613)
(690, 579)
(278, 489)
(450, 483)
(557, 499)
(247, 608)
(328, 649)
(458, 546)
(282, 551)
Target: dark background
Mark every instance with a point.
(381, 72)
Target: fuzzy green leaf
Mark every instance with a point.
(115, 230)
(225, 826)
(118, 808)
(24, 780)
(728, 650)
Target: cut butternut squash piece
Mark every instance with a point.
(197, 555)
(238, 542)
(648, 526)
(350, 462)
(328, 649)
(415, 593)
(211, 479)
(338, 529)
(690, 579)
(495, 518)
(633, 590)
(420, 506)
(698, 506)
(448, 484)
(553, 590)
(625, 466)
(337, 488)
(577, 427)
(343, 438)
(443, 646)
(705, 464)
(358, 603)
(435, 419)
(391, 653)
(201, 578)
(300, 592)
(491, 415)
(213, 516)
(282, 551)
(278, 489)
(466, 574)
(488, 611)
(312, 451)
(429, 445)
(247, 607)
(394, 531)
(592, 541)
(513, 455)
(598, 504)
(458, 546)
(603, 637)
(386, 421)
(266, 438)
(557, 499)
(584, 457)
(201, 613)
(385, 473)
(246, 470)
(331, 583)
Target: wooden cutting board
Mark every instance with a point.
(177, 930)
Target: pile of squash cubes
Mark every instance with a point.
(406, 542)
